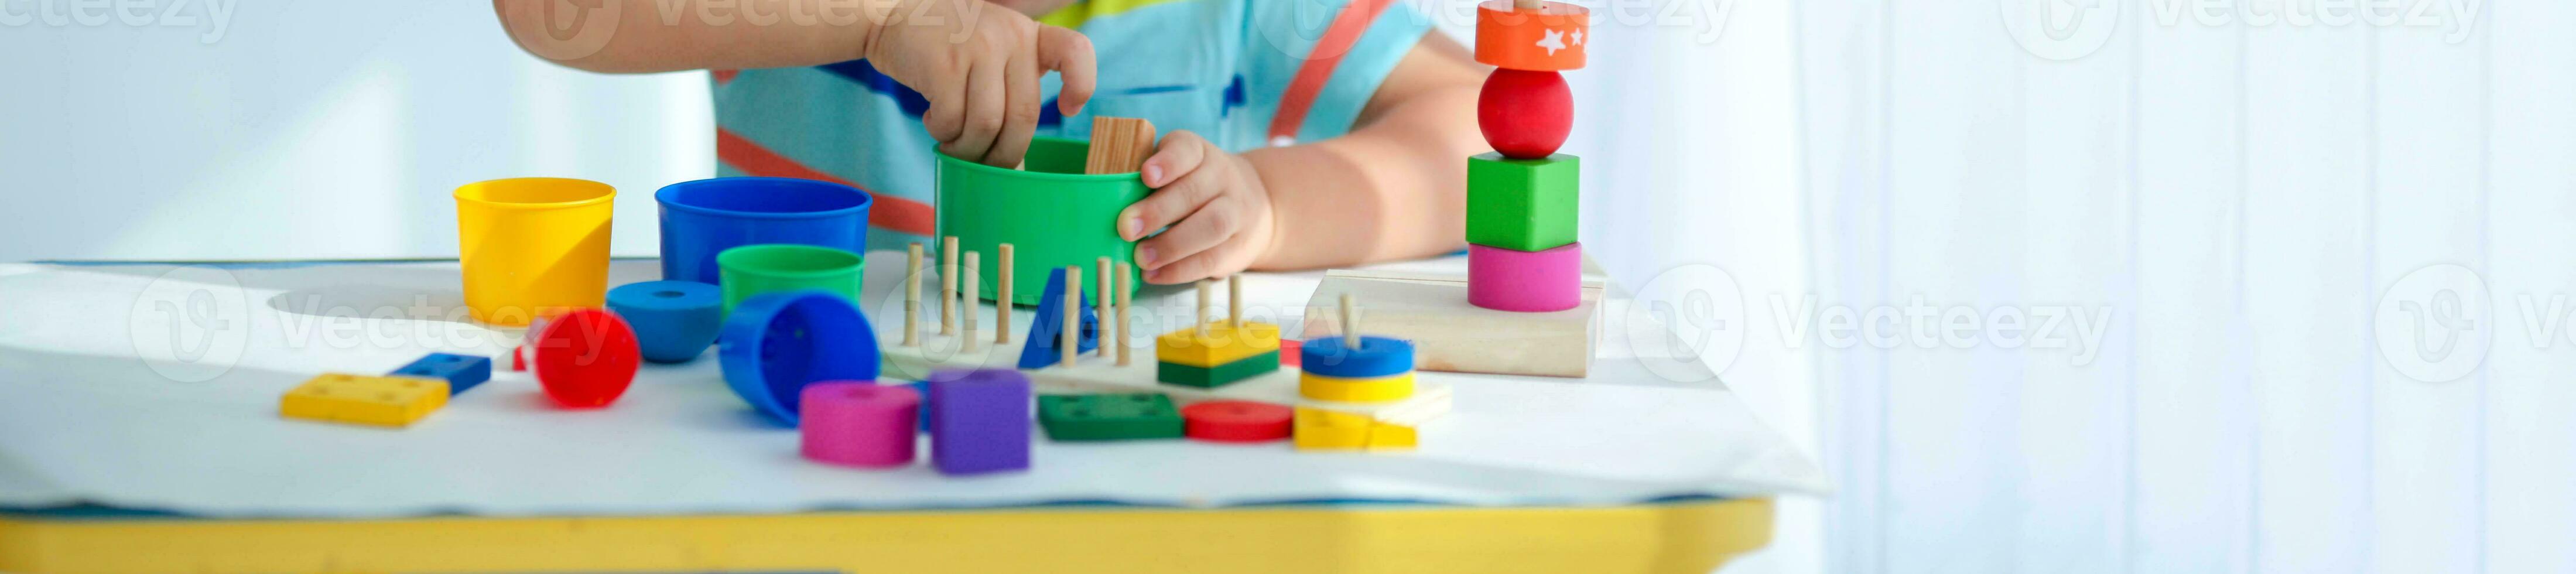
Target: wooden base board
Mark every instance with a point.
(1451, 335)
(1430, 400)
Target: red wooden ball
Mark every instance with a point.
(1525, 114)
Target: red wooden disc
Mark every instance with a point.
(585, 358)
(1237, 421)
(1525, 114)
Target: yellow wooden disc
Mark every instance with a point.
(1355, 390)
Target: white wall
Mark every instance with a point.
(2249, 201)
(308, 130)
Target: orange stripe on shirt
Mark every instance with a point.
(888, 212)
(1338, 38)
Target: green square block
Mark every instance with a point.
(1523, 204)
(1218, 376)
(1122, 416)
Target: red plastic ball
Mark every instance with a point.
(585, 359)
(1525, 114)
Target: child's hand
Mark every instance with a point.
(1217, 211)
(979, 65)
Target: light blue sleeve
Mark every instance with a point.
(1280, 36)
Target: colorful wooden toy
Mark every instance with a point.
(1102, 417)
(912, 295)
(858, 423)
(1524, 204)
(979, 421)
(462, 372)
(1547, 37)
(948, 285)
(1450, 334)
(1119, 145)
(1525, 281)
(1319, 429)
(1525, 114)
(1355, 390)
(674, 321)
(1238, 421)
(360, 399)
(1212, 354)
(1002, 303)
(586, 358)
(1375, 356)
(1046, 334)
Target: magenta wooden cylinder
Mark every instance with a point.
(1525, 281)
(858, 423)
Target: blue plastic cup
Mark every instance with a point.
(705, 217)
(674, 321)
(776, 343)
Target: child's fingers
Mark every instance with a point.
(1205, 228)
(1178, 154)
(1167, 206)
(946, 118)
(987, 94)
(1019, 112)
(1227, 258)
(1068, 52)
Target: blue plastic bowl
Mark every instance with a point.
(705, 217)
(776, 343)
(674, 321)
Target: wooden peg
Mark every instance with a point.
(1234, 300)
(912, 296)
(1124, 284)
(1002, 301)
(1119, 145)
(1529, 4)
(948, 285)
(1101, 306)
(1350, 324)
(966, 310)
(1072, 313)
(1203, 309)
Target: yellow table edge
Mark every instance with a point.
(1694, 536)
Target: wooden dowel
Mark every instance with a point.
(948, 285)
(1002, 301)
(1072, 313)
(1203, 310)
(912, 296)
(1100, 306)
(1350, 325)
(1529, 4)
(1124, 284)
(967, 306)
(1234, 301)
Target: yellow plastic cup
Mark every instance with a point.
(532, 246)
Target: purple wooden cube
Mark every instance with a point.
(979, 421)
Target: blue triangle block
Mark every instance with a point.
(1044, 337)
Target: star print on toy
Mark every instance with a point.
(1578, 36)
(1553, 41)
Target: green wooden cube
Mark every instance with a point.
(1522, 204)
(1120, 416)
(1217, 376)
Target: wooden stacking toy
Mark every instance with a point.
(1213, 354)
(1353, 368)
(1521, 199)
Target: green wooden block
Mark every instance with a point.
(1217, 376)
(1523, 204)
(1120, 416)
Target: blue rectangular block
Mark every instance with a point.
(979, 421)
(460, 371)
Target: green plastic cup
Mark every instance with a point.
(1052, 214)
(755, 269)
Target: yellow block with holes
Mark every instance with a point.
(366, 400)
(1319, 429)
(1223, 344)
(1355, 390)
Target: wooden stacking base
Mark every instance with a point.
(1451, 335)
(1093, 374)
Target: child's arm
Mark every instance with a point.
(978, 64)
(1394, 188)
